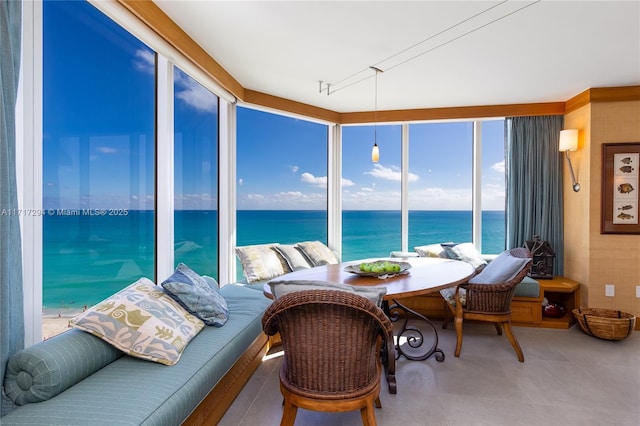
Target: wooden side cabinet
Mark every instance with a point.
(565, 292)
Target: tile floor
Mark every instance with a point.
(568, 378)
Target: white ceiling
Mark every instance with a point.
(433, 53)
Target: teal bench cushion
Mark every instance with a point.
(257, 286)
(528, 287)
(131, 391)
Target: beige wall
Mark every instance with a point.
(592, 258)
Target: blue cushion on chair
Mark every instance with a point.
(500, 270)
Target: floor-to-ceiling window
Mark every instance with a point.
(99, 104)
(371, 203)
(440, 203)
(196, 175)
(493, 187)
(281, 183)
(441, 192)
(440, 189)
(98, 157)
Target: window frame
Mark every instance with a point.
(29, 159)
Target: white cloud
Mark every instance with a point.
(284, 200)
(145, 61)
(392, 173)
(240, 182)
(493, 196)
(321, 181)
(203, 201)
(194, 94)
(498, 167)
(435, 198)
(367, 199)
(202, 197)
(294, 169)
(107, 150)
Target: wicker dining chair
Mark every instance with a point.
(487, 302)
(333, 341)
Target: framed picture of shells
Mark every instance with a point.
(620, 180)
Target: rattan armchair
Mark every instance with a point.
(333, 343)
(489, 303)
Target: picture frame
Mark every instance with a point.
(620, 202)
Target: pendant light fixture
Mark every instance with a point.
(375, 152)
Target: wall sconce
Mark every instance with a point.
(569, 142)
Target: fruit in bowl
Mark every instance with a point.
(380, 267)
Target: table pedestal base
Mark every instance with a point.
(414, 336)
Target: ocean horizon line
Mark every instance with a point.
(67, 209)
(87, 258)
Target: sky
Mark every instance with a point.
(99, 106)
(293, 154)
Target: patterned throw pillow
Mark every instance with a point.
(195, 294)
(294, 258)
(142, 321)
(260, 262)
(465, 252)
(431, 250)
(317, 253)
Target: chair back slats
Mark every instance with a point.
(329, 339)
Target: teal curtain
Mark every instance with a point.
(11, 299)
(534, 183)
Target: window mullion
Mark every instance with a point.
(29, 167)
(164, 170)
(227, 235)
(404, 188)
(334, 189)
(477, 186)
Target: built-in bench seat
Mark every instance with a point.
(129, 391)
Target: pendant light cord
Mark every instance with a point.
(375, 109)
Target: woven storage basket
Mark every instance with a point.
(605, 323)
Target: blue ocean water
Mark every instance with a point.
(89, 257)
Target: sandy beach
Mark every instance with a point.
(54, 325)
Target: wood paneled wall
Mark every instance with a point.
(592, 258)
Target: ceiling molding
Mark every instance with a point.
(603, 94)
(152, 16)
(287, 105)
(452, 113)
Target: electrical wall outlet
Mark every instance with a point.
(609, 290)
(638, 291)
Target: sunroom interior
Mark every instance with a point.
(583, 81)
